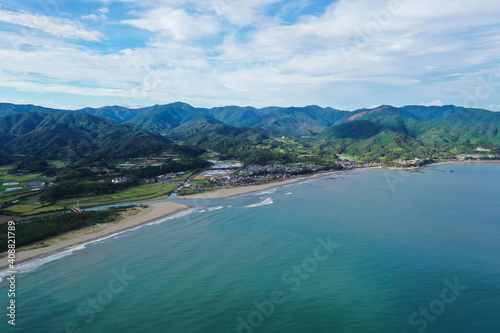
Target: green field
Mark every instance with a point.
(4, 169)
(27, 209)
(135, 194)
(22, 180)
(57, 164)
(29, 204)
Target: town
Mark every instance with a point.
(235, 174)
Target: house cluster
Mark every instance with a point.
(199, 188)
(214, 173)
(280, 169)
(477, 156)
(261, 174)
(100, 168)
(162, 178)
(144, 164)
(220, 168)
(224, 165)
(120, 180)
(408, 162)
(349, 165)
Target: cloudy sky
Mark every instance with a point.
(346, 54)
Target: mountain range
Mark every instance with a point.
(378, 133)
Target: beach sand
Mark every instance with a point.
(238, 190)
(150, 213)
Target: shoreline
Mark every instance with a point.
(467, 162)
(55, 244)
(239, 190)
(156, 211)
(227, 192)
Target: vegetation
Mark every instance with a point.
(37, 229)
(76, 137)
(83, 152)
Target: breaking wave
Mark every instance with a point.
(265, 202)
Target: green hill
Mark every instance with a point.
(59, 135)
(165, 118)
(304, 121)
(357, 129)
(114, 113)
(242, 131)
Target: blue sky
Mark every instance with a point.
(346, 54)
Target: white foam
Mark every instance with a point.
(171, 217)
(288, 193)
(215, 208)
(270, 191)
(299, 183)
(35, 263)
(267, 201)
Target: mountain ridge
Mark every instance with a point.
(381, 132)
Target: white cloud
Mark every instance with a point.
(177, 23)
(94, 17)
(349, 56)
(437, 102)
(241, 12)
(493, 107)
(55, 26)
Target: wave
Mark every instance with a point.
(288, 193)
(35, 263)
(31, 265)
(300, 182)
(215, 208)
(267, 201)
(180, 214)
(270, 191)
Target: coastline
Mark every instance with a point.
(152, 212)
(163, 209)
(467, 162)
(443, 162)
(239, 190)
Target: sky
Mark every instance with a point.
(346, 54)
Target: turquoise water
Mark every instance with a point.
(365, 251)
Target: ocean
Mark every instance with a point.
(364, 251)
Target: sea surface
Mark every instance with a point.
(364, 251)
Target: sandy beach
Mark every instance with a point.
(232, 191)
(150, 213)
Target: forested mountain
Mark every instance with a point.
(235, 115)
(6, 109)
(165, 118)
(114, 113)
(73, 136)
(382, 132)
(304, 121)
